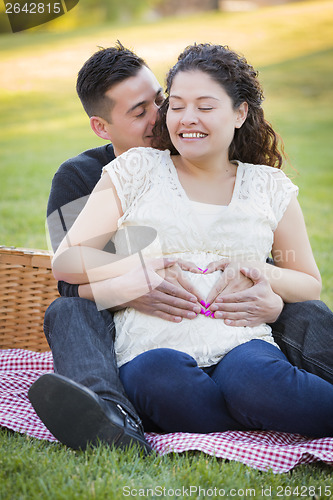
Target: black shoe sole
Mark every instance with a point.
(76, 418)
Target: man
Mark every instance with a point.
(84, 401)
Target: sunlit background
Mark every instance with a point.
(42, 122)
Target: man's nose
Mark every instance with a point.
(153, 114)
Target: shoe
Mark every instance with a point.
(76, 416)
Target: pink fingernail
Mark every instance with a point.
(205, 270)
(208, 313)
(200, 268)
(213, 315)
(208, 304)
(202, 311)
(203, 303)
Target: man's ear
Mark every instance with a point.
(98, 125)
(241, 114)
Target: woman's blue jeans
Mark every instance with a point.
(253, 387)
(82, 343)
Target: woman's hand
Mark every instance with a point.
(230, 281)
(242, 296)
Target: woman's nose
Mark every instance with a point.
(189, 117)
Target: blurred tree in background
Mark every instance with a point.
(172, 7)
(93, 12)
(90, 12)
(114, 10)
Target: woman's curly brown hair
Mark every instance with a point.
(255, 142)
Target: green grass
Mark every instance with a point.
(42, 124)
(37, 470)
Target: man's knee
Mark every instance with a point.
(67, 315)
(64, 305)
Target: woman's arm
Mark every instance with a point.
(295, 276)
(80, 257)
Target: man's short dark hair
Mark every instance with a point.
(104, 69)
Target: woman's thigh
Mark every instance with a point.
(263, 390)
(172, 393)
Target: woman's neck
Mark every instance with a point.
(207, 168)
(207, 183)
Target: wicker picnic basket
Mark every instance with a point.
(27, 287)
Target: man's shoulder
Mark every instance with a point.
(77, 176)
(90, 160)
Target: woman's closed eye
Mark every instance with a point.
(201, 108)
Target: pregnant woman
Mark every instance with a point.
(216, 197)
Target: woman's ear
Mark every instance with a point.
(99, 126)
(241, 114)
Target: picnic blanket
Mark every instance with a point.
(262, 450)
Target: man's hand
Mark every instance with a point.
(252, 306)
(174, 298)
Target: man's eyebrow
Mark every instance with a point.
(143, 103)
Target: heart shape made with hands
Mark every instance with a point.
(204, 311)
(204, 282)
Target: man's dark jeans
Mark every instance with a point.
(82, 342)
(304, 332)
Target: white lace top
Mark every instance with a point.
(151, 195)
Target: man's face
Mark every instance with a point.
(135, 104)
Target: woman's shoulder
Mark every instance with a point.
(262, 179)
(272, 175)
(252, 169)
(135, 162)
(142, 152)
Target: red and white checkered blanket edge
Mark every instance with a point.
(278, 452)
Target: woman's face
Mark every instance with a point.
(201, 119)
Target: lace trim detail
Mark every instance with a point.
(267, 185)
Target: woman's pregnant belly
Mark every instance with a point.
(205, 338)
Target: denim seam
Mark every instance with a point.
(316, 363)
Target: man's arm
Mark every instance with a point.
(71, 186)
(173, 299)
(74, 181)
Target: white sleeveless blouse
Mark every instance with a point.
(151, 195)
